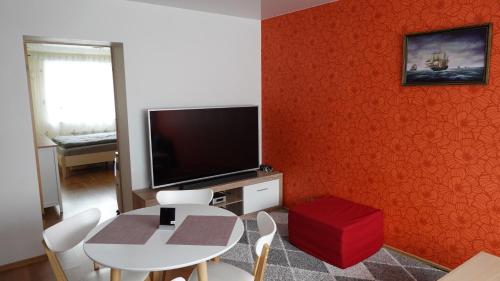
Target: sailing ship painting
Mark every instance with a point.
(438, 61)
(454, 56)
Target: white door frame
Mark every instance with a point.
(124, 194)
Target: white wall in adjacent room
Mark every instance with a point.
(173, 58)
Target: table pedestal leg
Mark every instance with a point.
(115, 274)
(202, 271)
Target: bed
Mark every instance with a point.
(78, 150)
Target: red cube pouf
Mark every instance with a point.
(340, 232)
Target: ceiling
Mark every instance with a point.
(253, 9)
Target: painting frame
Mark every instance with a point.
(486, 53)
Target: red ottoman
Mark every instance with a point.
(335, 230)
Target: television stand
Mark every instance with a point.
(247, 193)
(217, 181)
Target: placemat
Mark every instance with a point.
(204, 231)
(127, 229)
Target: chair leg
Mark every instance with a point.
(216, 259)
(54, 264)
(260, 267)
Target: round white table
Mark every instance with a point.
(156, 255)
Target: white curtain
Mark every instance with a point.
(72, 93)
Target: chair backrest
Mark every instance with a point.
(71, 231)
(196, 196)
(267, 230)
(67, 234)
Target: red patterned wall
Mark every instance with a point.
(336, 120)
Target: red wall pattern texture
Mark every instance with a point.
(336, 120)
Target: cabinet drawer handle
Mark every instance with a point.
(263, 189)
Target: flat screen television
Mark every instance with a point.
(193, 144)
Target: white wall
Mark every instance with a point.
(173, 57)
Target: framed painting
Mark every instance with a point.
(447, 57)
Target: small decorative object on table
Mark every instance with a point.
(167, 218)
(446, 57)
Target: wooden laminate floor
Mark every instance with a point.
(93, 187)
(40, 271)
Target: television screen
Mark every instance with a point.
(194, 144)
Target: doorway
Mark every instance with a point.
(74, 114)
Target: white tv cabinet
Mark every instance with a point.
(260, 196)
(244, 196)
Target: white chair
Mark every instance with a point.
(219, 271)
(63, 244)
(196, 196)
